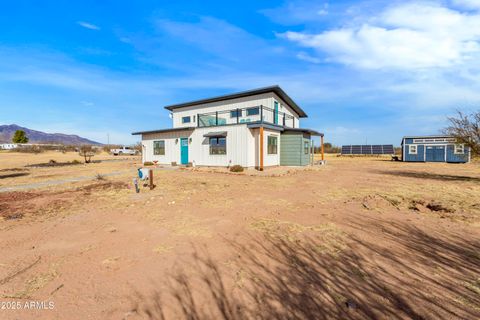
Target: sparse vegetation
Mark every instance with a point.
(236, 168)
(20, 137)
(148, 163)
(466, 128)
(87, 152)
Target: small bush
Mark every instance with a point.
(236, 168)
(76, 162)
(100, 177)
(148, 163)
(52, 161)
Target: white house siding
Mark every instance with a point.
(172, 147)
(266, 99)
(271, 159)
(240, 146)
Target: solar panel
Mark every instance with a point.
(346, 149)
(368, 149)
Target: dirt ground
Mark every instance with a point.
(355, 239)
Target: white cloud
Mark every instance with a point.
(469, 4)
(306, 57)
(88, 25)
(407, 36)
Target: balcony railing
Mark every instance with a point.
(255, 114)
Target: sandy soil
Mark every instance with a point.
(355, 239)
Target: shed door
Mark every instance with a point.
(435, 154)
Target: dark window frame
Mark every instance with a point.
(233, 113)
(217, 149)
(272, 148)
(255, 113)
(157, 150)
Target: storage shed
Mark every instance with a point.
(296, 146)
(434, 149)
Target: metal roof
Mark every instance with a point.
(275, 89)
(216, 134)
(310, 131)
(163, 130)
(429, 136)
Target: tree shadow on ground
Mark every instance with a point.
(428, 175)
(14, 175)
(424, 277)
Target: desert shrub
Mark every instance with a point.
(148, 163)
(99, 177)
(51, 161)
(76, 162)
(236, 168)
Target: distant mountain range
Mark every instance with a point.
(34, 136)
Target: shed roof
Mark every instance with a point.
(275, 89)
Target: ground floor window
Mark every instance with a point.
(306, 146)
(218, 145)
(459, 149)
(272, 145)
(412, 149)
(159, 148)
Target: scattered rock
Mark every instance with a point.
(351, 304)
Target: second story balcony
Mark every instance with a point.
(255, 114)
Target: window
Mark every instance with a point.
(253, 111)
(218, 145)
(272, 145)
(459, 149)
(306, 146)
(412, 149)
(234, 113)
(159, 148)
(186, 119)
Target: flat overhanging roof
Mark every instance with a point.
(163, 130)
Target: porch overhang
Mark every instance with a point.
(215, 134)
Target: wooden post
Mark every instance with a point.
(321, 143)
(261, 149)
(150, 178)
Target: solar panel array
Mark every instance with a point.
(368, 149)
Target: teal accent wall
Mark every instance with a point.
(292, 149)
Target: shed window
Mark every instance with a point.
(159, 148)
(412, 149)
(306, 145)
(253, 111)
(218, 145)
(272, 145)
(186, 119)
(459, 149)
(235, 113)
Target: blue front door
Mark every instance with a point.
(275, 112)
(184, 150)
(435, 154)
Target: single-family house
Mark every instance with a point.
(256, 128)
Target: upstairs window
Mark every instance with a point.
(253, 111)
(159, 148)
(186, 119)
(218, 145)
(272, 145)
(459, 149)
(412, 149)
(235, 113)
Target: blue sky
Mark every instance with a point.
(362, 70)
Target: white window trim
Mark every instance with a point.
(410, 147)
(459, 146)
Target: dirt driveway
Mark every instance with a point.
(356, 239)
